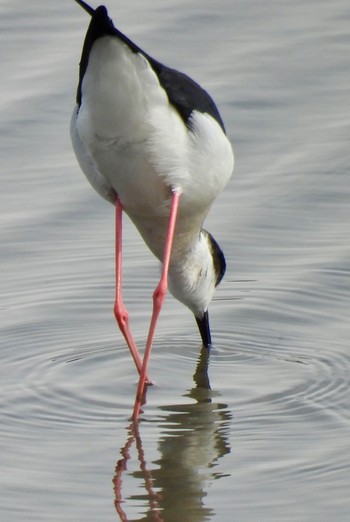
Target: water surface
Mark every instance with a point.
(270, 440)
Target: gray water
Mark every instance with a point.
(271, 440)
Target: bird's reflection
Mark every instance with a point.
(193, 437)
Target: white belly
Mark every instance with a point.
(130, 141)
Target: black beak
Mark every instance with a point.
(204, 329)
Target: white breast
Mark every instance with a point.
(131, 141)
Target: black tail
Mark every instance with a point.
(86, 7)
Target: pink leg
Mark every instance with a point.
(158, 298)
(120, 311)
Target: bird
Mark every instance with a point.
(152, 142)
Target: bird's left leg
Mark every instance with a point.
(120, 312)
(158, 298)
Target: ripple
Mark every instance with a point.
(321, 377)
(79, 385)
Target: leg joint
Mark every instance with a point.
(121, 315)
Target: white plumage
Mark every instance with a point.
(130, 141)
(143, 132)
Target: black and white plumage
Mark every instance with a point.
(142, 132)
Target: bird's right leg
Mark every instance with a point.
(120, 312)
(158, 298)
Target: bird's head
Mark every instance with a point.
(193, 281)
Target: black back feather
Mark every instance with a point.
(183, 93)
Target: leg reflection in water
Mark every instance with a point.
(191, 438)
(121, 466)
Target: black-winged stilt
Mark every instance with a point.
(151, 141)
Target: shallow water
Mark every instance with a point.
(270, 440)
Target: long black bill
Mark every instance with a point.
(204, 329)
(86, 7)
